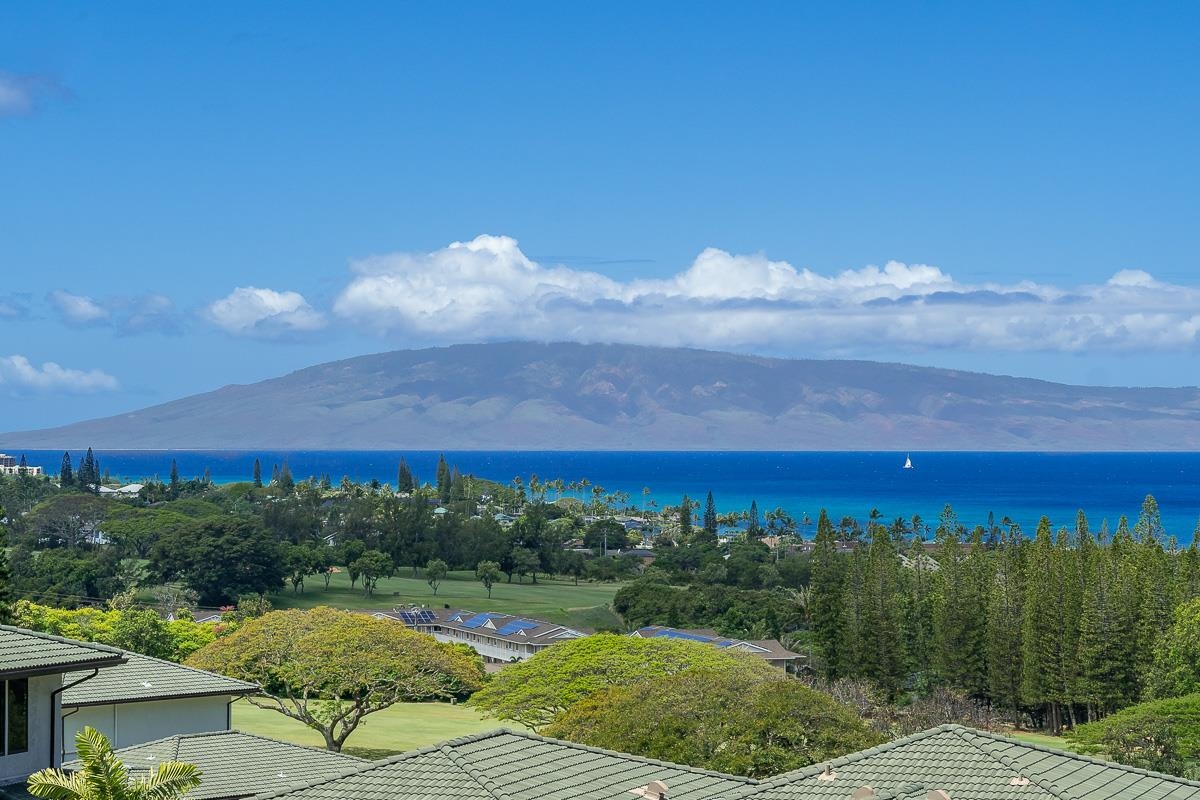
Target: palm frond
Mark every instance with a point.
(171, 780)
(55, 784)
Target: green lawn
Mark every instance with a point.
(1044, 739)
(402, 727)
(559, 601)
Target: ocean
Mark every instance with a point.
(1022, 486)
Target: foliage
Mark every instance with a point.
(488, 572)
(435, 573)
(132, 629)
(371, 566)
(1162, 735)
(1176, 669)
(733, 720)
(534, 692)
(220, 558)
(105, 777)
(730, 611)
(330, 669)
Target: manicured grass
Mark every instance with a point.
(1044, 739)
(585, 605)
(402, 727)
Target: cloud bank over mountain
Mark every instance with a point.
(488, 288)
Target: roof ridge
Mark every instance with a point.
(617, 753)
(964, 733)
(1077, 756)
(181, 665)
(260, 737)
(103, 648)
(460, 761)
(801, 773)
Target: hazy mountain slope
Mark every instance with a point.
(570, 396)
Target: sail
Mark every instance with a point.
(908, 463)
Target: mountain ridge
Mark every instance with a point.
(565, 396)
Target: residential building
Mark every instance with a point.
(498, 638)
(945, 763)
(769, 650)
(11, 465)
(145, 699)
(31, 684)
(234, 764)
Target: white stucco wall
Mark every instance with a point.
(127, 724)
(17, 767)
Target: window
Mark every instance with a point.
(14, 716)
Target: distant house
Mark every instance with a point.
(145, 699)
(31, 683)
(770, 650)
(10, 465)
(498, 638)
(234, 764)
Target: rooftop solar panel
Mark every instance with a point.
(422, 617)
(517, 625)
(692, 637)
(479, 619)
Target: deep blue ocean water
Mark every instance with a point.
(1023, 486)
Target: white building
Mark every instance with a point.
(31, 683)
(10, 465)
(146, 699)
(498, 638)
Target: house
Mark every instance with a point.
(512, 765)
(960, 763)
(768, 649)
(234, 764)
(945, 763)
(31, 684)
(498, 638)
(145, 699)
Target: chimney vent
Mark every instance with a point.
(827, 774)
(1020, 780)
(654, 790)
(863, 793)
(938, 794)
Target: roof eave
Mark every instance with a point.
(61, 669)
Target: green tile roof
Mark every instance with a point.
(510, 765)
(237, 764)
(145, 678)
(25, 652)
(974, 765)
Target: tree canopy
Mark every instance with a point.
(329, 669)
(731, 720)
(1162, 735)
(534, 692)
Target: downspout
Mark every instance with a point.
(56, 719)
(229, 713)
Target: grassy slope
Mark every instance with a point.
(1043, 739)
(584, 605)
(402, 727)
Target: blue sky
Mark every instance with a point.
(204, 194)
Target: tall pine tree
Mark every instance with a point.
(66, 476)
(404, 478)
(710, 516)
(826, 584)
(257, 474)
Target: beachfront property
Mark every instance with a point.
(146, 698)
(32, 666)
(497, 638)
(770, 650)
(11, 465)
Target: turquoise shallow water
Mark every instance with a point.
(1023, 486)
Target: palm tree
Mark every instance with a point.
(104, 777)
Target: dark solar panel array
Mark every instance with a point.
(517, 625)
(479, 619)
(421, 617)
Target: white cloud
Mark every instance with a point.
(489, 289)
(19, 94)
(77, 309)
(17, 372)
(250, 311)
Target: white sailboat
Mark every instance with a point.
(907, 462)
